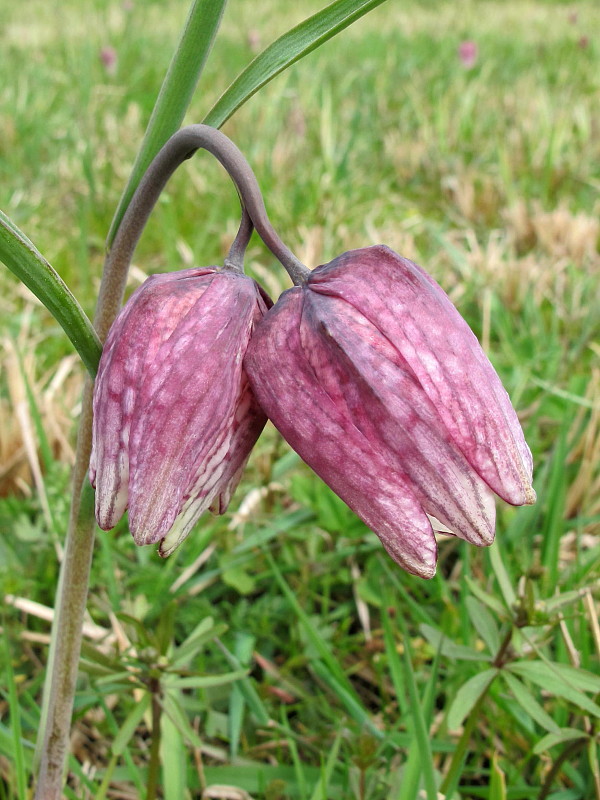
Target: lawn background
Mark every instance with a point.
(489, 178)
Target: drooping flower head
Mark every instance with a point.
(377, 382)
(174, 415)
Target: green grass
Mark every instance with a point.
(359, 681)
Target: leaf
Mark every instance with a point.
(468, 694)
(484, 624)
(501, 574)
(129, 727)
(497, 781)
(560, 680)
(529, 704)
(173, 760)
(552, 739)
(449, 648)
(23, 259)
(203, 681)
(175, 94)
(285, 51)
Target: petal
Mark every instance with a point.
(388, 405)
(414, 313)
(183, 433)
(144, 323)
(296, 383)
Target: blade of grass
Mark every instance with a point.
(285, 51)
(15, 722)
(321, 789)
(335, 674)
(420, 725)
(28, 264)
(175, 94)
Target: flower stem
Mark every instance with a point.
(154, 760)
(66, 644)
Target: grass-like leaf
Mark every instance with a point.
(23, 259)
(175, 94)
(289, 48)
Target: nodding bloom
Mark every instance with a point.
(174, 415)
(378, 383)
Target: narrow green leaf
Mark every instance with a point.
(28, 264)
(321, 791)
(175, 94)
(421, 727)
(553, 678)
(552, 739)
(529, 704)
(347, 698)
(501, 574)
(489, 600)
(15, 721)
(129, 727)
(244, 646)
(394, 664)
(246, 687)
(468, 694)
(449, 648)
(497, 781)
(289, 48)
(173, 760)
(484, 624)
(203, 681)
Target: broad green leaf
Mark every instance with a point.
(468, 694)
(23, 259)
(175, 94)
(484, 624)
(561, 681)
(289, 48)
(449, 648)
(564, 735)
(529, 704)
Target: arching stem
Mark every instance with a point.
(181, 146)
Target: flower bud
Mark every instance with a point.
(378, 383)
(174, 415)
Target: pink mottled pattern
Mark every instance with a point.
(388, 396)
(174, 416)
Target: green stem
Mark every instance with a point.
(154, 762)
(66, 638)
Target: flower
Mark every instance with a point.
(377, 382)
(468, 53)
(174, 415)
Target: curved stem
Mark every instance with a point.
(235, 256)
(181, 146)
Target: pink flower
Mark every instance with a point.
(174, 415)
(377, 382)
(108, 57)
(467, 53)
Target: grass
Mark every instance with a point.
(357, 680)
